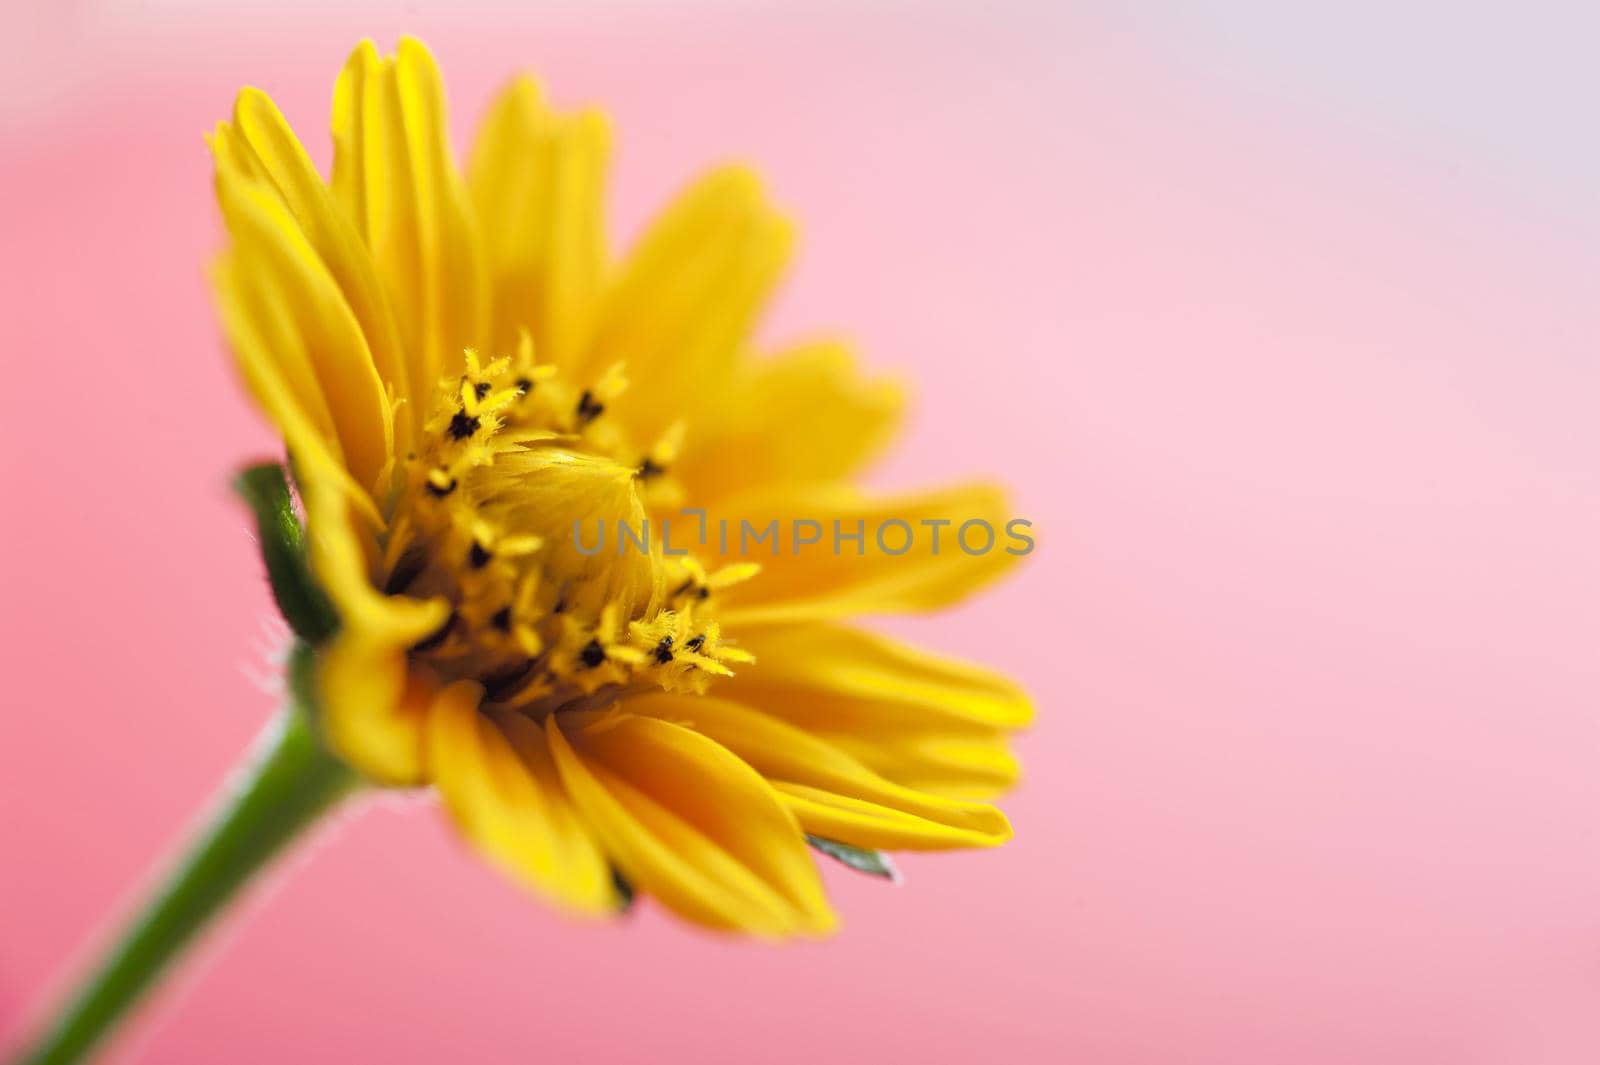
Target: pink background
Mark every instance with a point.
(1285, 333)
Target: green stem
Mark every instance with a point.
(286, 785)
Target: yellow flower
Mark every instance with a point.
(461, 374)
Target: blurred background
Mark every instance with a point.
(1280, 321)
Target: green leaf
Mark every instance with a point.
(283, 549)
(873, 863)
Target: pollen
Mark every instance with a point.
(513, 453)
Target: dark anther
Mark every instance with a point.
(435, 638)
(588, 408)
(700, 592)
(502, 619)
(504, 683)
(405, 571)
(560, 607)
(479, 556)
(442, 492)
(592, 654)
(481, 389)
(463, 425)
(649, 469)
(524, 385)
(696, 642)
(664, 650)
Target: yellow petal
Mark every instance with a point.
(275, 153)
(272, 359)
(863, 681)
(683, 305)
(832, 794)
(863, 823)
(276, 276)
(374, 712)
(967, 767)
(537, 180)
(690, 824)
(342, 552)
(804, 415)
(395, 178)
(926, 721)
(901, 563)
(503, 791)
(372, 704)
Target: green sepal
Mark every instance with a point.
(300, 674)
(265, 490)
(873, 863)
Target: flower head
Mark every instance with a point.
(464, 378)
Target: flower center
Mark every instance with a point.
(514, 458)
